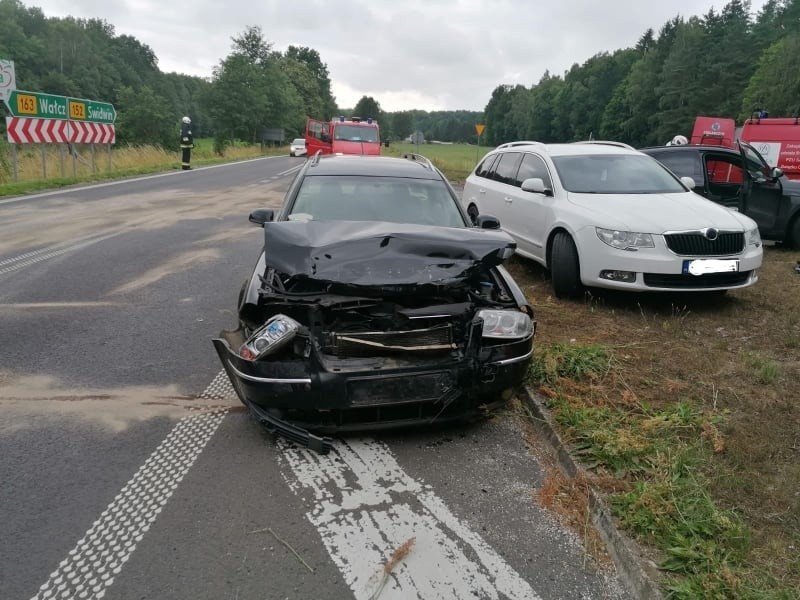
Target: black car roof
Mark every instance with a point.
(373, 166)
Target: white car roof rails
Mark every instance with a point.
(519, 143)
(607, 143)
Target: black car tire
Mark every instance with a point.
(565, 267)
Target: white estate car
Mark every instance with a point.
(602, 214)
(298, 147)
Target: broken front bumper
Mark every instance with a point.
(328, 394)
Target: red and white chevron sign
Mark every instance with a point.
(92, 133)
(24, 130)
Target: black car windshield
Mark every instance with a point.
(615, 174)
(355, 133)
(362, 198)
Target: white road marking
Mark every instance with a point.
(29, 258)
(365, 506)
(67, 190)
(98, 557)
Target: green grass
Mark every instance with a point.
(455, 160)
(663, 456)
(126, 161)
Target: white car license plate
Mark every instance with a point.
(701, 266)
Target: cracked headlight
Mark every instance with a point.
(274, 334)
(753, 237)
(624, 240)
(507, 324)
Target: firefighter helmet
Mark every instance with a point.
(186, 120)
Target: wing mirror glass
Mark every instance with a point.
(777, 173)
(261, 216)
(689, 182)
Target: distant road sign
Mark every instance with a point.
(479, 128)
(48, 106)
(8, 82)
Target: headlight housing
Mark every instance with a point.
(274, 334)
(625, 240)
(753, 237)
(505, 324)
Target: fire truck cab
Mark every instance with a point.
(343, 136)
(777, 140)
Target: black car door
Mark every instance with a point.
(762, 193)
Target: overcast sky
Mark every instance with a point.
(426, 54)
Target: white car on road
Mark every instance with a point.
(601, 214)
(298, 147)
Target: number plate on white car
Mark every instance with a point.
(702, 266)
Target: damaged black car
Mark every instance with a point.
(376, 304)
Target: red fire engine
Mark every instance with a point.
(343, 136)
(776, 139)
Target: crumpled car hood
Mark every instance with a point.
(381, 254)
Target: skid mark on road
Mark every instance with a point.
(365, 506)
(99, 556)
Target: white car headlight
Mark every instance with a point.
(507, 324)
(753, 237)
(625, 240)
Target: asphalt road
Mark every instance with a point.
(129, 470)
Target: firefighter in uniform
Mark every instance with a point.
(187, 143)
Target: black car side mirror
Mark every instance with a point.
(777, 173)
(261, 216)
(487, 222)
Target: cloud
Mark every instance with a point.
(430, 54)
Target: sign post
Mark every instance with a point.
(479, 130)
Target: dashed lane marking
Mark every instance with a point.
(364, 506)
(98, 557)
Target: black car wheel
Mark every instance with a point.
(565, 267)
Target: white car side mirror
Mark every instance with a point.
(689, 182)
(536, 185)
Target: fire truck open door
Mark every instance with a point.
(318, 137)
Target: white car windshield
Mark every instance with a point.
(361, 198)
(615, 174)
(299, 142)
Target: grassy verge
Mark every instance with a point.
(89, 166)
(455, 160)
(684, 410)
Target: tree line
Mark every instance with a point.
(725, 64)
(253, 88)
